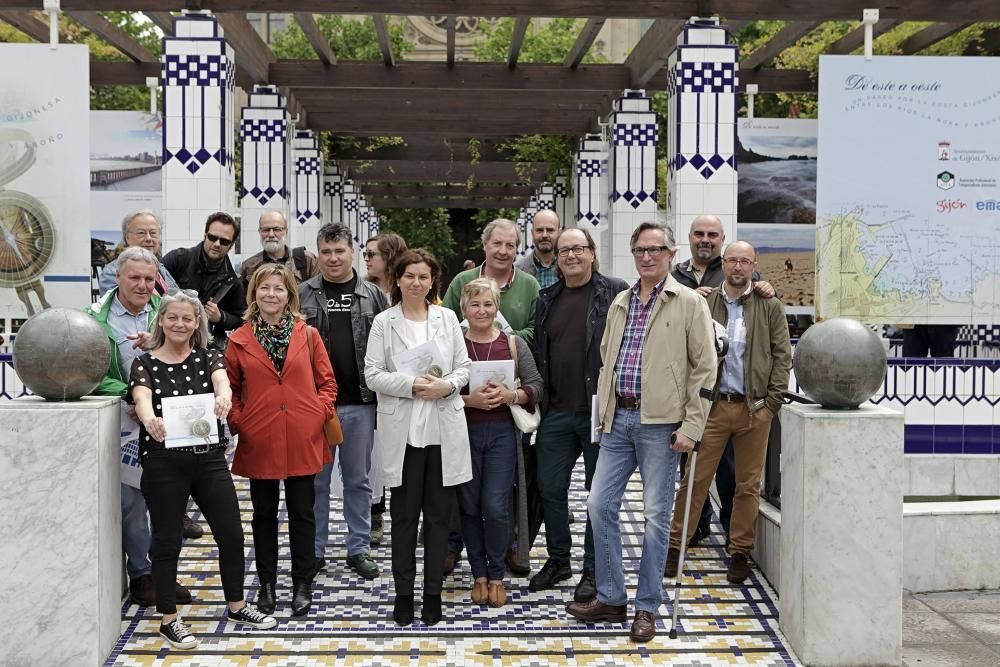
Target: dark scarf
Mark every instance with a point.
(208, 266)
(273, 338)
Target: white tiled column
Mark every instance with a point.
(544, 198)
(307, 161)
(198, 78)
(633, 176)
(333, 190)
(266, 163)
(349, 212)
(703, 78)
(591, 178)
(564, 205)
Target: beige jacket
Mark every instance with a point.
(678, 360)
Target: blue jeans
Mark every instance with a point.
(631, 443)
(355, 456)
(482, 500)
(135, 533)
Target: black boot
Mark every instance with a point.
(266, 597)
(301, 598)
(431, 612)
(402, 609)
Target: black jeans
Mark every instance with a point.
(299, 497)
(422, 489)
(168, 480)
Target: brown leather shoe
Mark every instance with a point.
(739, 568)
(596, 611)
(451, 561)
(673, 559)
(480, 592)
(141, 591)
(497, 594)
(643, 627)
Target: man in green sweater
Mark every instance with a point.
(518, 290)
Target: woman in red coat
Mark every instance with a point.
(281, 399)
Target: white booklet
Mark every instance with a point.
(501, 372)
(190, 420)
(424, 359)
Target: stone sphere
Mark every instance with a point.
(839, 363)
(61, 354)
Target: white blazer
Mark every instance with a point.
(395, 393)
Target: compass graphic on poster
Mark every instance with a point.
(27, 236)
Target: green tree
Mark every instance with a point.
(422, 228)
(350, 39)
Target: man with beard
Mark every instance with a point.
(273, 230)
(541, 263)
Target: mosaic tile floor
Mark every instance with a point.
(350, 620)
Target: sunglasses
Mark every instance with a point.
(221, 240)
(369, 254)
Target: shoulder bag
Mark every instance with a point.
(526, 422)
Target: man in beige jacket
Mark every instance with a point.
(659, 366)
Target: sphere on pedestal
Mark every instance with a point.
(839, 363)
(61, 354)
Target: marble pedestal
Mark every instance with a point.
(61, 544)
(841, 534)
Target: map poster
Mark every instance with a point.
(908, 204)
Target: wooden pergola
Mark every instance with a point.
(437, 107)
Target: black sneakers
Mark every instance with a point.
(252, 616)
(177, 634)
(551, 574)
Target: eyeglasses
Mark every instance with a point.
(653, 251)
(221, 240)
(271, 230)
(741, 261)
(369, 253)
(144, 234)
(577, 250)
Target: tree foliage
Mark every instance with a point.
(350, 39)
(422, 228)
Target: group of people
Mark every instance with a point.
(472, 411)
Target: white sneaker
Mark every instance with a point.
(177, 633)
(254, 617)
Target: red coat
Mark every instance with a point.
(279, 418)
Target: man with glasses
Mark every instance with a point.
(206, 269)
(659, 364)
(139, 228)
(754, 378)
(569, 365)
(540, 263)
(273, 230)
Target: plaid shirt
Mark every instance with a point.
(629, 363)
(546, 275)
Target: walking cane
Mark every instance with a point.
(692, 462)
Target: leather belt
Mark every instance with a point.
(627, 402)
(733, 398)
(198, 449)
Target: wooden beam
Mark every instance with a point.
(449, 27)
(468, 202)
(458, 190)
(401, 171)
(778, 80)
(163, 20)
(929, 36)
(469, 101)
(396, 123)
(856, 37)
(651, 51)
(253, 56)
(583, 42)
(384, 43)
(316, 38)
(26, 22)
(517, 39)
(911, 10)
(784, 38)
(114, 36)
(464, 76)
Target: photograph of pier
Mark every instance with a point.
(125, 157)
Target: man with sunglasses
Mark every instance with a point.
(659, 365)
(569, 365)
(206, 269)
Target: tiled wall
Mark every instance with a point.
(265, 162)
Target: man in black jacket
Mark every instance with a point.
(569, 365)
(206, 269)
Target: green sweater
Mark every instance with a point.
(517, 302)
(115, 381)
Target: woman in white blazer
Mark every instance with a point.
(421, 426)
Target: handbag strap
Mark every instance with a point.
(309, 343)
(512, 342)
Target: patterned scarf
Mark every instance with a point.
(273, 338)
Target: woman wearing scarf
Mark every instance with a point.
(281, 399)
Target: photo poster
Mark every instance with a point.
(908, 190)
(776, 204)
(44, 193)
(786, 258)
(126, 155)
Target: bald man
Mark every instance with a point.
(541, 262)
